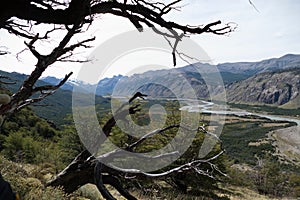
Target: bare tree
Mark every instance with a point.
(19, 17)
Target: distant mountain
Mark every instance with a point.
(103, 88)
(107, 85)
(278, 88)
(251, 68)
(202, 78)
(242, 80)
(53, 80)
(184, 82)
(58, 105)
(159, 83)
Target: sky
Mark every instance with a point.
(272, 31)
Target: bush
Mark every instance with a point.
(28, 188)
(294, 181)
(21, 149)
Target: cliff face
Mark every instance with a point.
(270, 88)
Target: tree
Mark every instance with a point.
(19, 17)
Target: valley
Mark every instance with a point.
(256, 91)
(257, 126)
(281, 132)
(149, 100)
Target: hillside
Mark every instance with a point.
(176, 82)
(38, 153)
(277, 88)
(57, 106)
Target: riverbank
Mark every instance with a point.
(287, 144)
(285, 140)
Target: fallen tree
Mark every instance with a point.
(86, 168)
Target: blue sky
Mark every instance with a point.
(271, 32)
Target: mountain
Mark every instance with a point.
(266, 81)
(184, 82)
(278, 88)
(251, 68)
(107, 85)
(204, 80)
(103, 88)
(58, 105)
(53, 80)
(126, 86)
(178, 81)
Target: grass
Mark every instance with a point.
(240, 132)
(294, 104)
(227, 192)
(238, 193)
(28, 182)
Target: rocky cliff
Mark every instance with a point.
(269, 88)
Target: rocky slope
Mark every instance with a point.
(163, 83)
(269, 88)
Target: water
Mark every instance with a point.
(211, 108)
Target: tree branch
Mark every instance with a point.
(22, 97)
(150, 12)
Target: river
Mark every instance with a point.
(212, 108)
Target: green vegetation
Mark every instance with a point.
(39, 150)
(254, 165)
(55, 107)
(28, 140)
(268, 177)
(184, 182)
(237, 136)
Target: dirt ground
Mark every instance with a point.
(287, 143)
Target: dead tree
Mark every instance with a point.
(86, 168)
(19, 16)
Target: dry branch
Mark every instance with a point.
(19, 16)
(91, 169)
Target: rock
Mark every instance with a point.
(269, 88)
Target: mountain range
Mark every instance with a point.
(270, 81)
(273, 81)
